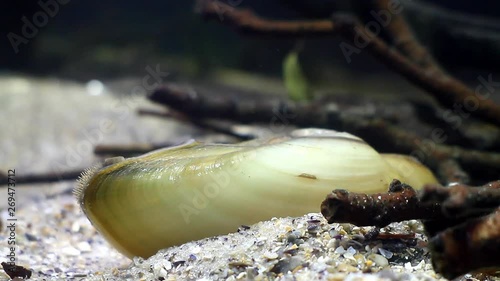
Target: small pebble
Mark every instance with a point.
(379, 260)
(30, 237)
(208, 257)
(84, 246)
(387, 274)
(419, 266)
(75, 227)
(196, 250)
(178, 263)
(344, 267)
(270, 256)
(159, 271)
(334, 233)
(340, 250)
(331, 243)
(408, 266)
(313, 227)
(167, 265)
(286, 265)
(70, 251)
(349, 253)
(291, 249)
(387, 254)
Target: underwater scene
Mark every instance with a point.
(250, 140)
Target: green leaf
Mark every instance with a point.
(295, 81)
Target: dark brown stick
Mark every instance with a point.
(404, 39)
(459, 203)
(213, 125)
(471, 246)
(41, 178)
(451, 171)
(128, 150)
(399, 204)
(199, 105)
(246, 22)
(460, 200)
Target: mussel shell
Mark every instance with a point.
(174, 195)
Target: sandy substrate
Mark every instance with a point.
(56, 241)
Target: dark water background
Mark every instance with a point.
(108, 39)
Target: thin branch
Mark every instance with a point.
(471, 246)
(200, 105)
(451, 171)
(246, 22)
(404, 39)
(128, 150)
(42, 178)
(473, 240)
(462, 200)
(399, 204)
(213, 125)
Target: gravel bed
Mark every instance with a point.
(56, 241)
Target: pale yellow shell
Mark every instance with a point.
(174, 195)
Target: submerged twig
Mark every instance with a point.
(399, 204)
(460, 200)
(213, 125)
(451, 171)
(403, 38)
(246, 22)
(42, 178)
(473, 245)
(128, 150)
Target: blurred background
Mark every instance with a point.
(104, 39)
